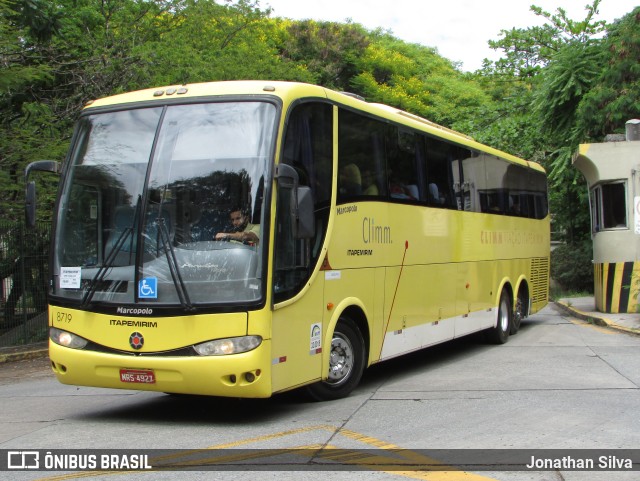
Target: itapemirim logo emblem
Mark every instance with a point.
(136, 340)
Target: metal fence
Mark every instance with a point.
(24, 259)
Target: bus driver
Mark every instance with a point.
(242, 230)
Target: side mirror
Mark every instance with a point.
(42, 166)
(301, 203)
(30, 188)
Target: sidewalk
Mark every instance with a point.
(19, 353)
(584, 308)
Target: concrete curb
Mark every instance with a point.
(31, 351)
(597, 320)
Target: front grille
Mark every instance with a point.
(181, 352)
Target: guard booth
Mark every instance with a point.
(612, 171)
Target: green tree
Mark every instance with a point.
(527, 50)
(560, 63)
(614, 96)
(328, 51)
(565, 81)
(416, 79)
(217, 42)
(569, 76)
(21, 121)
(59, 55)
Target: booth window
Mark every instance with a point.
(609, 206)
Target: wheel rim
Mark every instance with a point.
(340, 359)
(504, 315)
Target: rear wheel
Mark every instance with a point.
(500, 333)
(346, 363)
(520, 312)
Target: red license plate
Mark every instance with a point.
(139, 376)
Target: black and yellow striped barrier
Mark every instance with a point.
(616, 286)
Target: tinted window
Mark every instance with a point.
(440, 178)
(390, 162)
(308, 147)
(361, 157)
(405, 175)
(511, 189)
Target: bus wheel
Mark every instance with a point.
(519, 313)
(500, 333)
(346, 363)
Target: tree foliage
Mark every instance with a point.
(614, 96)
(526, 51)
(571, 266)
(567, 74)
(328, 51)
(415, 78)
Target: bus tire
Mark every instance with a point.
(519, 312)
(346, 363)
(500, 333)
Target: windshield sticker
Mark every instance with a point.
(70, 277)
(315, 346)
(148, 288)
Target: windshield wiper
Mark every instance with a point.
(112, 255)
(170, 253)
(102, 271)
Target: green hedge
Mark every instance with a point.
(572, 266)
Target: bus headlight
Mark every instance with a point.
(67, 339)
(232, 345)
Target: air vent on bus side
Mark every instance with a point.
(539, 279)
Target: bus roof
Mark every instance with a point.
(289, 91)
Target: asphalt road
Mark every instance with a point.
(28, 369)
(558, 384)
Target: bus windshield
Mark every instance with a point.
(146, 211)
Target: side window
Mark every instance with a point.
(361, 157)
(511, 189)
(403, 173)
(538, 206)
(609, 206)
(466, 164)
(308, 147)
(476, 180)
(494, 195)
(440, 177)
(525, 192)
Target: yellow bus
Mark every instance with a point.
(374, 233)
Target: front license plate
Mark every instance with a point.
(139, 376)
